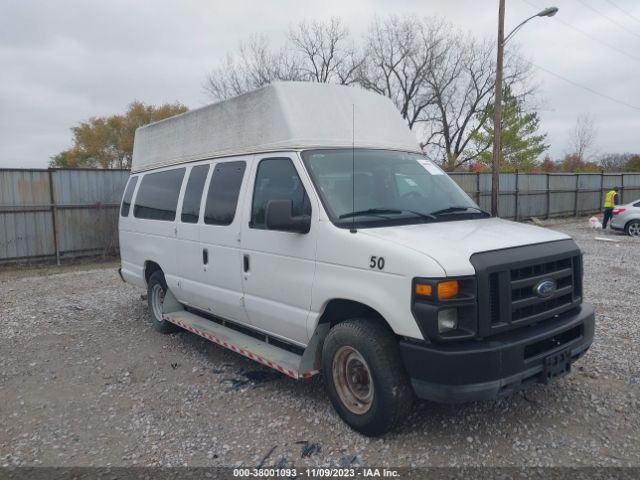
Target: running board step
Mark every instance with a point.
(281, 360)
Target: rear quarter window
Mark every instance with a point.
(157, 197)
(128, 195)
(193, 194)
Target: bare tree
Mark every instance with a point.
(440, 79)
(317, 52)
(400, 53)
(582, 142)
(615, 162)
(463, 86)
(253, 66)
(325, 52)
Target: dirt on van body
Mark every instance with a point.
(86, 381)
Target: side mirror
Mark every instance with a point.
(278, 217)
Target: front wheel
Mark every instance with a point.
(156, 291)
(364, 376)
(633, 228)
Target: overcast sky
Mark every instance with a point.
(62, 62)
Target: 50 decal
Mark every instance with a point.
(376, 262)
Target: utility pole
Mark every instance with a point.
(497, 103)
(497, 119)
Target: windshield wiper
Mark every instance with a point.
(457, 208)
(388, 211)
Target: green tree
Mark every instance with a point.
(574, 164)
(522, 145)
(633, 164)
(107, 142)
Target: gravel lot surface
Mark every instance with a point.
(86, 381)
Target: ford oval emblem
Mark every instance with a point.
(545, 288)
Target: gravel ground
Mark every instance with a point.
(86, 381)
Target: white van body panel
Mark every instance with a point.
(218, 284)
(451, 244)
(143, 240)
(343, 272)
(278, 285)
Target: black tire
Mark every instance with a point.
(632, 228)
(156, 280)
(392, 395)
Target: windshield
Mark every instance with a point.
(390, 188)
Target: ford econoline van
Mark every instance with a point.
(301, 226)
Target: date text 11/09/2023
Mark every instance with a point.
(315, 472)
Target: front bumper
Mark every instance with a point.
(481, 370)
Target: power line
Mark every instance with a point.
(615, 22)
(584, 87)
(586, 34)
(626, 12)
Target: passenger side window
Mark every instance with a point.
(277, 179)
(128, 195)
(224, 188)
(193, 194)
(158, 194)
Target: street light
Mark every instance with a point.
(497, 103)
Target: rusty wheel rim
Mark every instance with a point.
(352, 379)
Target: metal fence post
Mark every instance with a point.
(601, 190)
(53, 217)
(622, 188)
(548, 197)
(575, 200)
(478, 188)
(516, 197)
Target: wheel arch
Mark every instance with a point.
(631, 220)
(336, 311)
(149, 267)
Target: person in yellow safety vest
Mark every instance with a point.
(610, 201)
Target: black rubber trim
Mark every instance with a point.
(501, 262)
(477, 370)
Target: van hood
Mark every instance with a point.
(451, 244)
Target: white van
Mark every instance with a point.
(301, 226)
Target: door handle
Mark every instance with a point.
(245, 263)
(205, 256)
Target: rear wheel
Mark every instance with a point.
(633, 228)
(156, 291)
(364, 376)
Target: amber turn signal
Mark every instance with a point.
(448, 289)
(423, 290)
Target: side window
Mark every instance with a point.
(224, 189)
(128, 195)
(193, 194)
(277, 179)
(157, 197)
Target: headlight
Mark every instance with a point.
(447, 320)
(445, 308)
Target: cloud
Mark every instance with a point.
(65, 61)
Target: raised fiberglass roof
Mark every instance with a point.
(281, 116)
